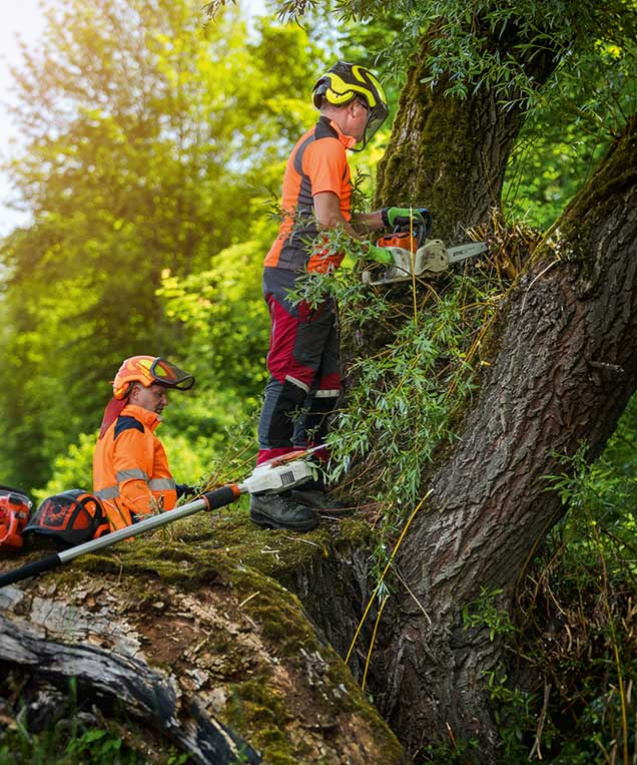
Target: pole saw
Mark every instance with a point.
(273, 477)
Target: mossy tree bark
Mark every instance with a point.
(450, 154)
(194, 638)
(564, 371)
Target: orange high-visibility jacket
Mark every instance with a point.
(130, 468)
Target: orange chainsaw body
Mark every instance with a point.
(402, 239)
(14, 516)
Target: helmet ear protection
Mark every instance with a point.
(343, 83)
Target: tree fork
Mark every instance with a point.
(564, 372)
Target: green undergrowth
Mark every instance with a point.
(413, 354)
(52, 747)
(71, 732)
(410, 393)
(579, 619)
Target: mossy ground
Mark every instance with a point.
(190, 551)
(207, 595)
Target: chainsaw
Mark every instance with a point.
(414, 256)
(273, 477)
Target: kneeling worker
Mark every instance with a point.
(130, 469)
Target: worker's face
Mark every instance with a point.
(357, 119)
(154, 398)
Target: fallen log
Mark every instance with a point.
(200, 646)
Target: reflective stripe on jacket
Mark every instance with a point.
(130, 468)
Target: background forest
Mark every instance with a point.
(155, 143)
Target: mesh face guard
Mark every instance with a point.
(171, 376)
(375, 119)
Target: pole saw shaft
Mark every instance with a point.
(212, 500)
(269, 478)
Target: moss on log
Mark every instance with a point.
(208, 613)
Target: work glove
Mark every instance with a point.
(184, 490)
(379, 254)
(400, 216)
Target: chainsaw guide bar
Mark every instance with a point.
(430, 260)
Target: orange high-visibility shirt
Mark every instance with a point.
(318, 163)
(130, 468)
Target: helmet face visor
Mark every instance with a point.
(375, 119)
(170, 375)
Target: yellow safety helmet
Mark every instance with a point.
(345, 82)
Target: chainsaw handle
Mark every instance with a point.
(420, 226)
(30, 569)
(429, 221)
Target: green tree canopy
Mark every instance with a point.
(148, 152)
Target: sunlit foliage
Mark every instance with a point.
(152, 139)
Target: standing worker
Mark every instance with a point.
(130, 469)
(303, 359)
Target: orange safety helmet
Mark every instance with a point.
(148, 370)
(69, 518)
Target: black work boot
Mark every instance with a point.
(282, 511)
(322, 502)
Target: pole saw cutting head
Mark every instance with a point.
(281, 473)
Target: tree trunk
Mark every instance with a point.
(151, 696)
(564, 371)
(450, 154)
(433, 159)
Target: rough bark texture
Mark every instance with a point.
(201, 644)
(116, 672)
(433, 159)
(448, 154)
(564, 371)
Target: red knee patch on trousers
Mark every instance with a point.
(283, 334)
(269, 454)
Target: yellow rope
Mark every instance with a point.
(382, 577)
(373, 640)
